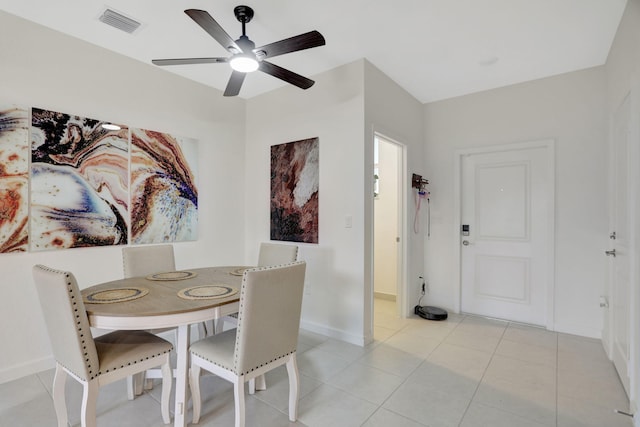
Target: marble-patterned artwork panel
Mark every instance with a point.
(14, 186)
(164, 194)
(79, 182)
(294, 191)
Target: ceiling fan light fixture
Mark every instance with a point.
(244, 63)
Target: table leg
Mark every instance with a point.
(182, 370)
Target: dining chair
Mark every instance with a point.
(266, 337)
(94, 362)
(148, 259)
(276, 253)
(269, 254)
(143, 261)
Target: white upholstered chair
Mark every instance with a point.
(276, 253)
(269, 254)
(92, 362)
(266, 337)
(143, 261)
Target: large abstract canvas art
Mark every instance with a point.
(294, 191)
(79, 182)
(164, 195)
(14, 169)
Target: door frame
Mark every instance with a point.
(549, 146)
(401, 287)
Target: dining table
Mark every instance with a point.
(174, 299)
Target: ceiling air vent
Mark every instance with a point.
(119, 21)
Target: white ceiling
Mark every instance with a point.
(434, 49)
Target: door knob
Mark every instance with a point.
(465, 242)
(611, 253)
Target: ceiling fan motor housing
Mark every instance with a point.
(243, 14)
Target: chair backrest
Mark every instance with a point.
(145, 260)
(276, 254)
(67, 321)
(269, 316)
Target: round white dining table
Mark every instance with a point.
(162, 307)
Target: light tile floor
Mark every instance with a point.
(466, 371)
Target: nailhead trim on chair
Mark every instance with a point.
(235, 371)
(81, 333)
(135, 362)
(241, 304)
(79, 329)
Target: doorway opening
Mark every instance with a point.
(388, 232)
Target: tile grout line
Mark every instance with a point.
(380, 406)
(483, 374)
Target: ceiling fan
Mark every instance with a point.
(245, 56)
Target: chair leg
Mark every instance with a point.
(167, 377)
(59, 401)
(238, 394)
(261, 383)
(252, 386)
(294, 386)
(138, 383)
(148, 383)
(194, 383)
(130, 388)
(89, 400)
(219, 326)
(209, 328)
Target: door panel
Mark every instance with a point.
(501, 201)
(504, 262)
(503, 278)
(620, 287)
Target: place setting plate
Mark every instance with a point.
(109, 296)
(172, 276)
(239, 271)
(207, 292)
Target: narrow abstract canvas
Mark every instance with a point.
(164, 195)
(14, 169)
(294, 191)
(79, 182)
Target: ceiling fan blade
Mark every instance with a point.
(292, 44)
(235, 83)
(214, 29)
(188, 61)
(286, 75)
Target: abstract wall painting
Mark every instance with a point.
(14, 187)
(294, 191)
(79, 182)
(164, 194)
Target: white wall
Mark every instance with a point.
(343, 109)
(333, 111)
(568, 108)
(43, 68)
(394, 113)
(623, 76)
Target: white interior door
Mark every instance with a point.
(507, 205)
(620, 298)
(389, 228)
(386, 220)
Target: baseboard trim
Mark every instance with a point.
(333, 333)
(384, 296)
(28, 368)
